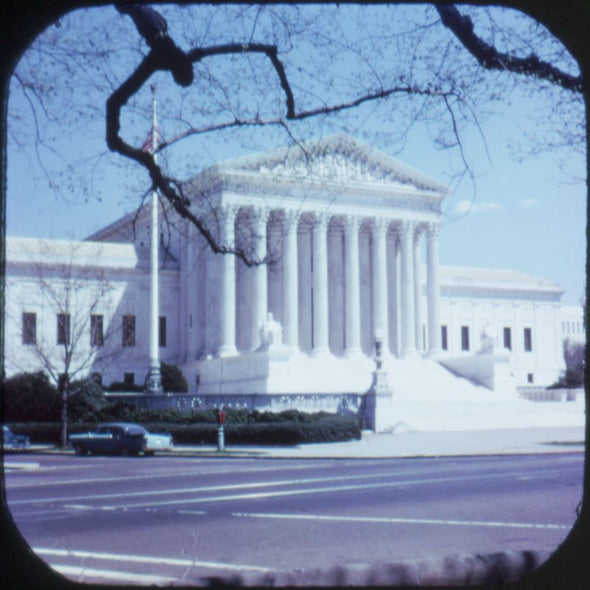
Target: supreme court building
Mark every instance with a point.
(350, 237)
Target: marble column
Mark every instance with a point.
(320, 285)
(380, 319)
(407, 289)
(393, 297)
(227, 295)
(418, 288)
(290, 281)
(433, 288)
(352, 295)
(260, 272)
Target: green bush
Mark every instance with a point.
(30, 397)
(329, 428)
(173, 379)
(201, 427)
(86, 401)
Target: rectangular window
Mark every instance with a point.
(63, 328)
(508, 338)
(528, 340)
(129, 379)
(96, 330)
(444, 339)
(464, 337)
(128, 330)
(530, 378)
(162, 331)
(29, 328)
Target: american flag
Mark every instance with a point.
(148, 144)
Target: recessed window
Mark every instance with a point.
(444, 338)
(162, 331)
(528, 340)
(96, 330)
(63, 328)
(530, 378)
(128, 330)
(29, 328)
(508, 338)
(129, 379)
(464, 337)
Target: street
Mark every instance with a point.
(172, 520)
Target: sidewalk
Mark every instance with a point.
(564, 439)
(508, 441)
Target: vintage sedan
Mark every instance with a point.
(120, 437)
(14, 442)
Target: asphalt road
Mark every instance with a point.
(177, 520)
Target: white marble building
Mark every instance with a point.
(352, 239)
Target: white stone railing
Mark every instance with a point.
(333, 403)
(542, 394)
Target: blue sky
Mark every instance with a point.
(528, 216)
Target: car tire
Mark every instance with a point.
(79, 450)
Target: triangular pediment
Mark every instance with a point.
(335, 159)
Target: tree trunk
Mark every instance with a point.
(64, 416)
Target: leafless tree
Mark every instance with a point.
(78, 299)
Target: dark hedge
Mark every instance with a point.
(317, 428)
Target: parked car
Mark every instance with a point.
(120, 437)
(13, 442)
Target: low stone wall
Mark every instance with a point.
(334, 403)
(542, 394)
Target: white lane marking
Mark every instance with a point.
(266, 484)
(483, 523)
(217, 488)
(162, 475)
(81, 574)
(316, 490)
(148, 559)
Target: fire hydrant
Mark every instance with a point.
(220, 432)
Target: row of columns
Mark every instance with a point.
(411, 313)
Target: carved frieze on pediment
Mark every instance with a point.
(338, 160)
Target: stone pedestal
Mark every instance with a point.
(379, 410)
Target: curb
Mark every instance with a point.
(495, 568)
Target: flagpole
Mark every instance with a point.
(153, 382)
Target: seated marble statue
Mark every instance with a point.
(271, 333)
(487, 341)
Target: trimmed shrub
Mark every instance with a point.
(30, 397)
(200, 427)
(173, 380)
(330, 428)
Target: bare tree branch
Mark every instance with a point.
(170, 188)
(492, 59)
